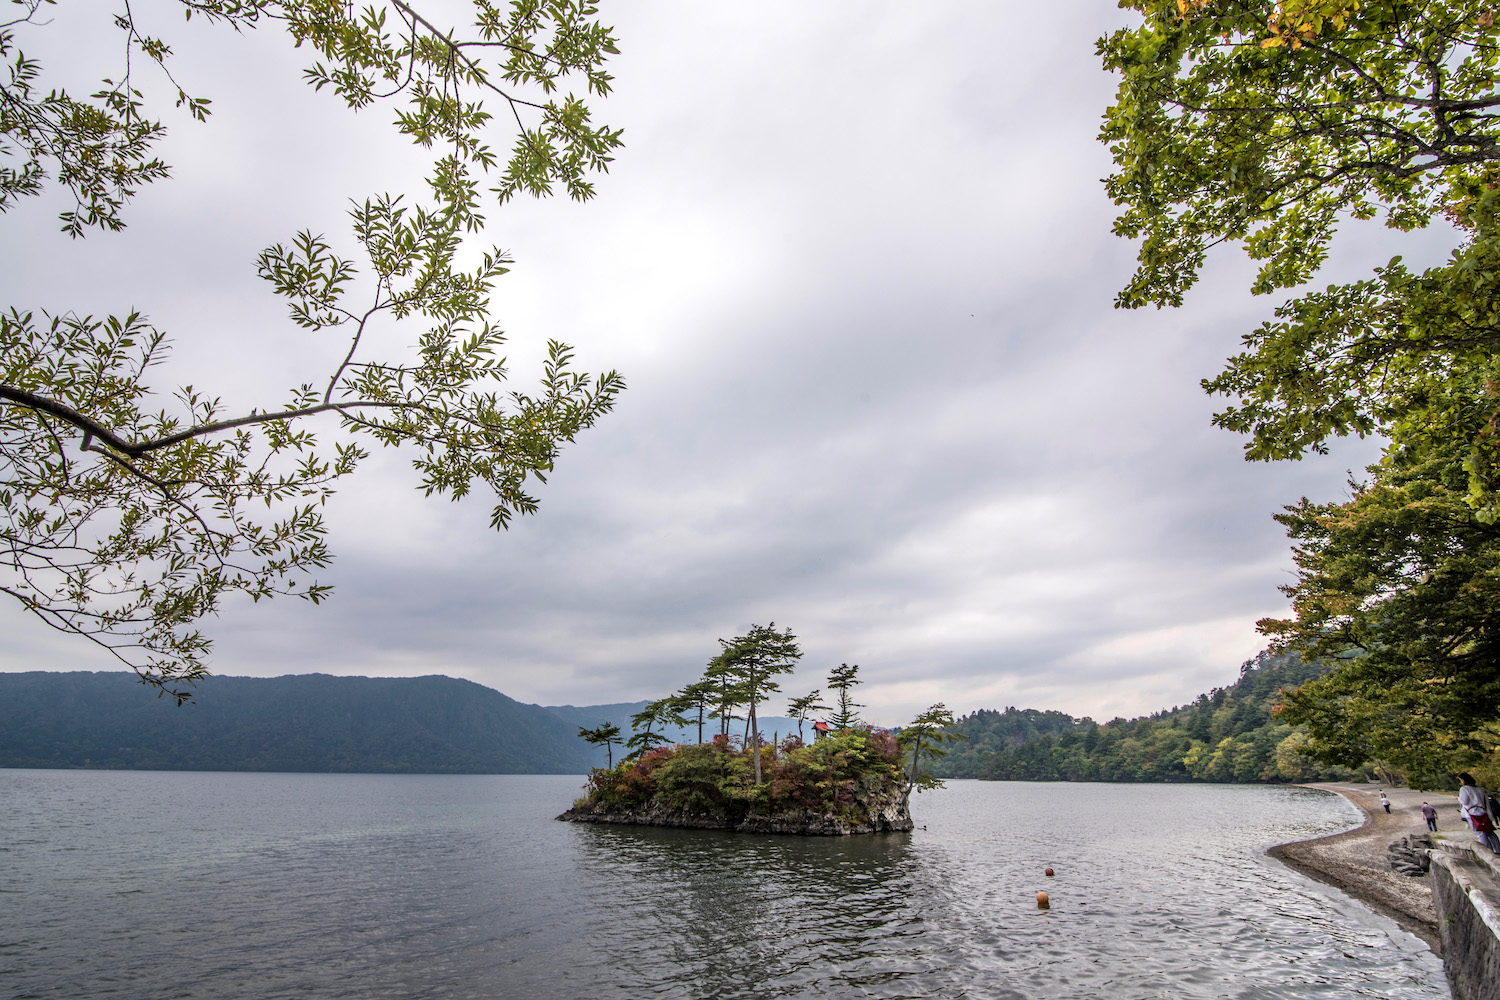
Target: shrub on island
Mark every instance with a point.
(850, 781)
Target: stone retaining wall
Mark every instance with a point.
(1466, 892)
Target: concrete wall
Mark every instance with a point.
(1466, 893)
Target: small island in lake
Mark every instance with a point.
(853, 777)
(846, 782)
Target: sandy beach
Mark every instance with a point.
(1356, 861)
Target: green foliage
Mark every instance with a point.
(1268, 122)
(164, 510)
(727, 689)
(1402, 585)
(987, 731)
(1410, 356)
(923, 737)
(842, 679)
(606, 735)
(647, 724)
(837, 776)
(749, 664)
(1227, 735)
(805, 708)
(695, 703)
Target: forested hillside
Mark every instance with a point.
(310, 722)
(1228, 734)
(987, 731)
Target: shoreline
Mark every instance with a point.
(1354, 861)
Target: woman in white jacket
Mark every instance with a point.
(1471, 803)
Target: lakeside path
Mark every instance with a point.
(1356, 862)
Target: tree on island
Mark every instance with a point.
(606, 735)
(126, 523)
(923, 737)
(696, 702)
(841, 679)
(804, 708)
(728, 689)
(754, 659)
(1232, 127)
(653, 716)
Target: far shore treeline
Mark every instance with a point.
(1229, 734)
(446, 725)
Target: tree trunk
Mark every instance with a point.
(755, 735)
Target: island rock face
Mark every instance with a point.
(848, 783)
(884, 816)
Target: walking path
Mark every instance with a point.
(1356, 861)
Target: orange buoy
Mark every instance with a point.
(1042, 902)
(1048, 873)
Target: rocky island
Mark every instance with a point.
(848, 782)
(852, 778)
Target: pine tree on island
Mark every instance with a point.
(698, 699)
(841, 678)
(804, 708)
(645, 723)
(728, 691)
(606, 735)
(754, 659)
(924, 736)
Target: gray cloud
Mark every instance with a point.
(856, 264)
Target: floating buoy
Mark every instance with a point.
(1042, 902)
(1048, 873)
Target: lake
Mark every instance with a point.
(144, 884)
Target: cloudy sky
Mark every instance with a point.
(856, 265)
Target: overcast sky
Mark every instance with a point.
(855, 262)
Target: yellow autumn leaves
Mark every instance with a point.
(1294, 21)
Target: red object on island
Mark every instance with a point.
(821, 727)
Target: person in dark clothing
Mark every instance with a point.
(1430, 815)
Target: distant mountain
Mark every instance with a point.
(310, 722)
(304, 722)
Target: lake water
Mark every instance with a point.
(255, 886)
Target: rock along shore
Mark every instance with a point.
(886, 816)
(1356, 861)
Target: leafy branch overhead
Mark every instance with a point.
(1267, 123)
(1271, 124)
(126, 521)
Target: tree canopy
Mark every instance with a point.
(754, 660)
(126, 520)
(1268, 123)
(925, 736)
(1272, 124)
(842, 679)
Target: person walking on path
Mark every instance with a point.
(1471, 803)
(1385, 801)
(1430, 815)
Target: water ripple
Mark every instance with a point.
(261, 887)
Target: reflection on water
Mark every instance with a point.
(141, 884)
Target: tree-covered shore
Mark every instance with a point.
(1229, 734)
